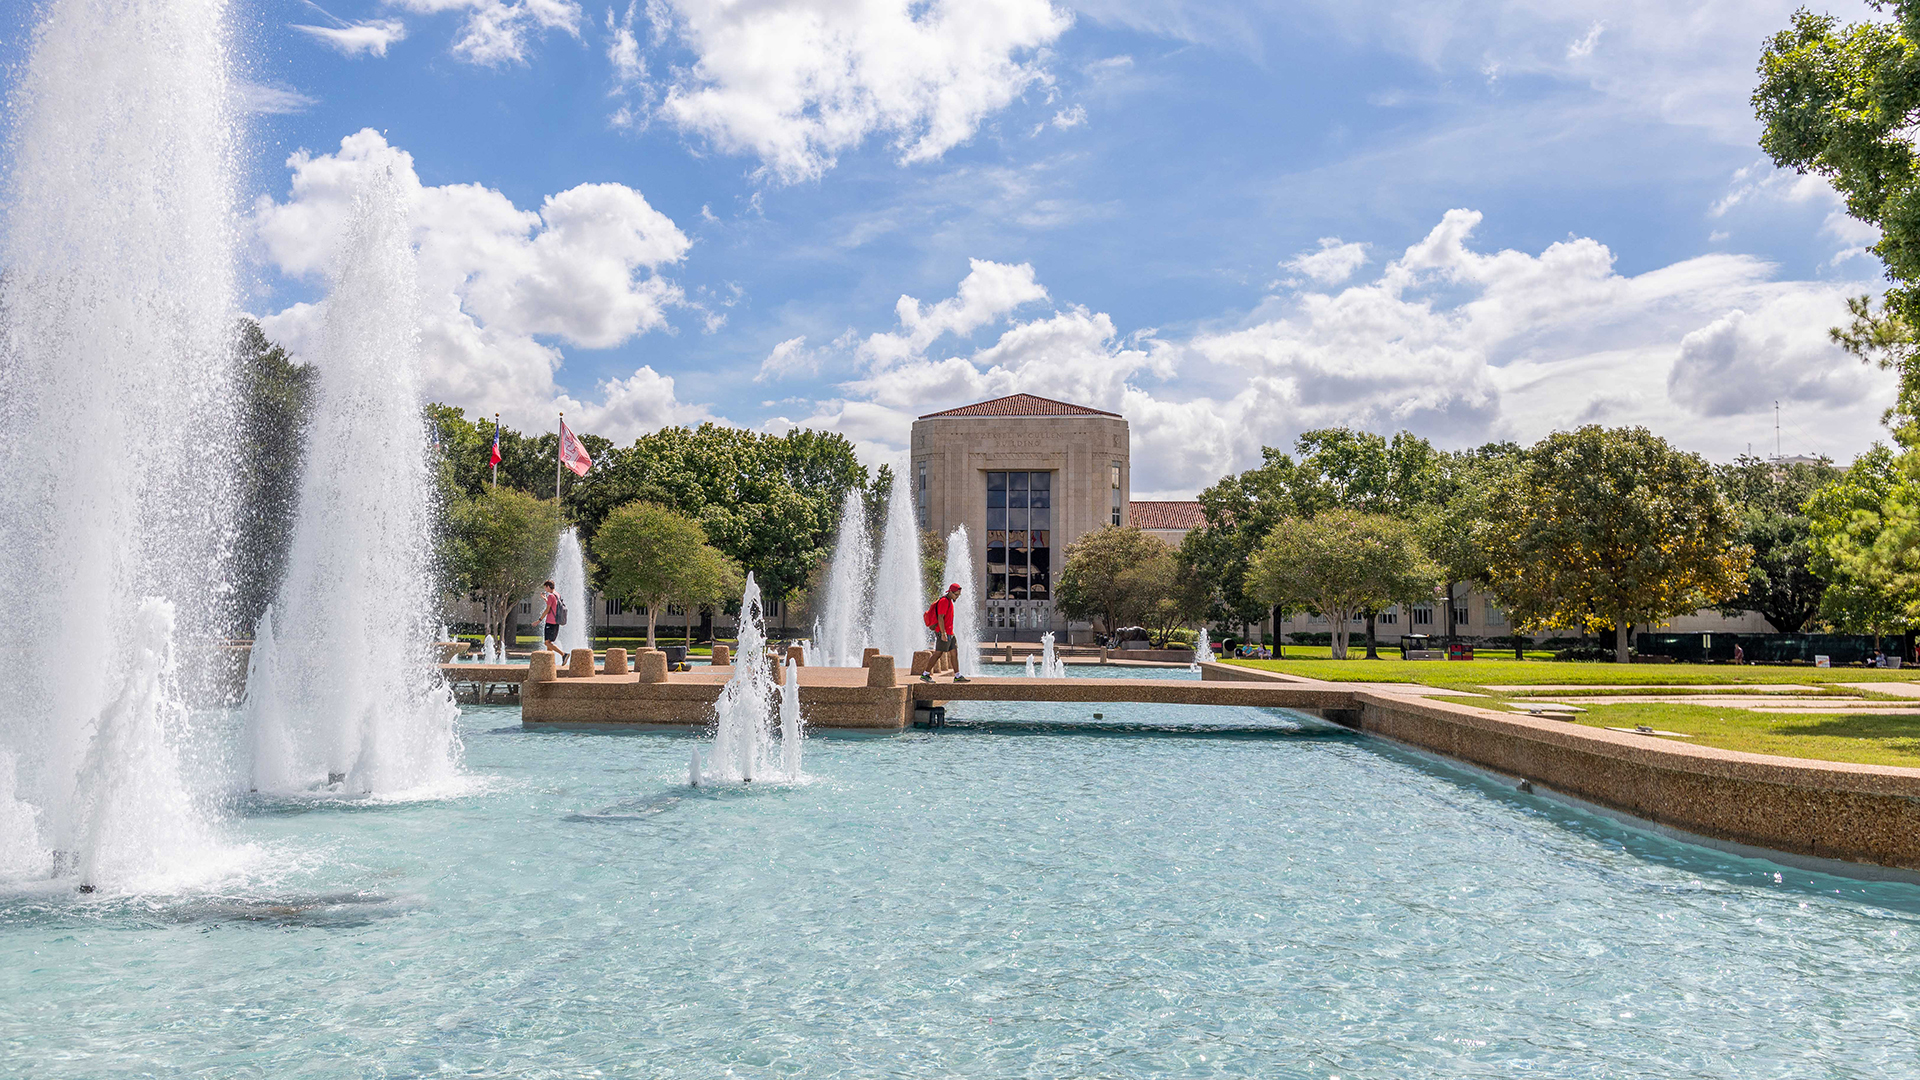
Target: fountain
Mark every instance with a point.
(570, 581)
(896, 624)
(743, 736)
(489, 652)
(1051, 666)
(1202, 650)
(116, 417)
(1031, 674)
(346, 696)
(966, 613)
(840, 635)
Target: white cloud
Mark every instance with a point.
(789, 358)
(989, 291)
(1583, 48)
(1457, 344)
(631, 407)
(1332, 264)
(370, 37)
(499, 285)
(797, 82)
(260, 99)
(496, 31)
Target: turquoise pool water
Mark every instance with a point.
(1163, 892)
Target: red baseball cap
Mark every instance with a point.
(955, 587)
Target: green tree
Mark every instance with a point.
(1613, 527)
(1341, 563)
(502, 545)
(1115, 573)
(649, 555)
(276, 404)
(1769, 499)
(1860, 541)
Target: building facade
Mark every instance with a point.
(1027, 476)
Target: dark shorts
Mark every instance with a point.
(944, 642)
(553, 631)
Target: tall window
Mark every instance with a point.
(1116, 493)
(1019, 531)
(920, 493)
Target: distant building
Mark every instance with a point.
(1170, 521)
(1027, 476)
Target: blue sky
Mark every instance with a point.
(1228, 221)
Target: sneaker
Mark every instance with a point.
(924, 677)
(961, 678)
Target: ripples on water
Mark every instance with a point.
(1124, 900)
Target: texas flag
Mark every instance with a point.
(494, 458)
(572, 454)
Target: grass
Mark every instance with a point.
(1864, 740)
(1474, 674)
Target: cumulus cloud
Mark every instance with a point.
(1333, 263)
(789, 358)
(499, 285)
(1456, 343)
(496, 31)
(370, 37)
(797, 82)
(989, 291)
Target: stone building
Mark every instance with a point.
(1027, 476)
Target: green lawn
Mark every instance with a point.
(1866, 740)
(1474, 674)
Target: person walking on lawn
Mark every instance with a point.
(946, 651)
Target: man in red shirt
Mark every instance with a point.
(946, 651)
(550, 622)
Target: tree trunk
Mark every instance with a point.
(1519, 645)
(1279, 637)
(1373, 645)
(1620, 646)
(652, 613)
(1449, 614)
(1338, 620)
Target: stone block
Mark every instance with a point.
(616, 662)
(880, 670)
(651, 666)
(540, 667)
(797, 655)
(922, 661)
(580, 664)
(722, 655)
(866, 657)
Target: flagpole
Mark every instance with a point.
(559, 454)
(496, 443)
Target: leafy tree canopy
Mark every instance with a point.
(1609, 526)
(1768, 499)
(501, 546)
(1340, 563)
(1862, 540)
(650, 555)
(1117, 574)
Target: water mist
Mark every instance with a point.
(570, 581)
(840, 636)
(345, 696)
(966, 613)
(896, 623)
(116, 422)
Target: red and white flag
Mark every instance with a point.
(572, 454)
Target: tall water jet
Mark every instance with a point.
(896, 623)
(1051, 666)
(790, 732)
(570, 581)
(743, 735)
(840, 635)
(966, 613)
(1202, 650)
(350, 699)
(116, 420)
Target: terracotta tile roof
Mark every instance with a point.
(1019, 405)
(1165, 515)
